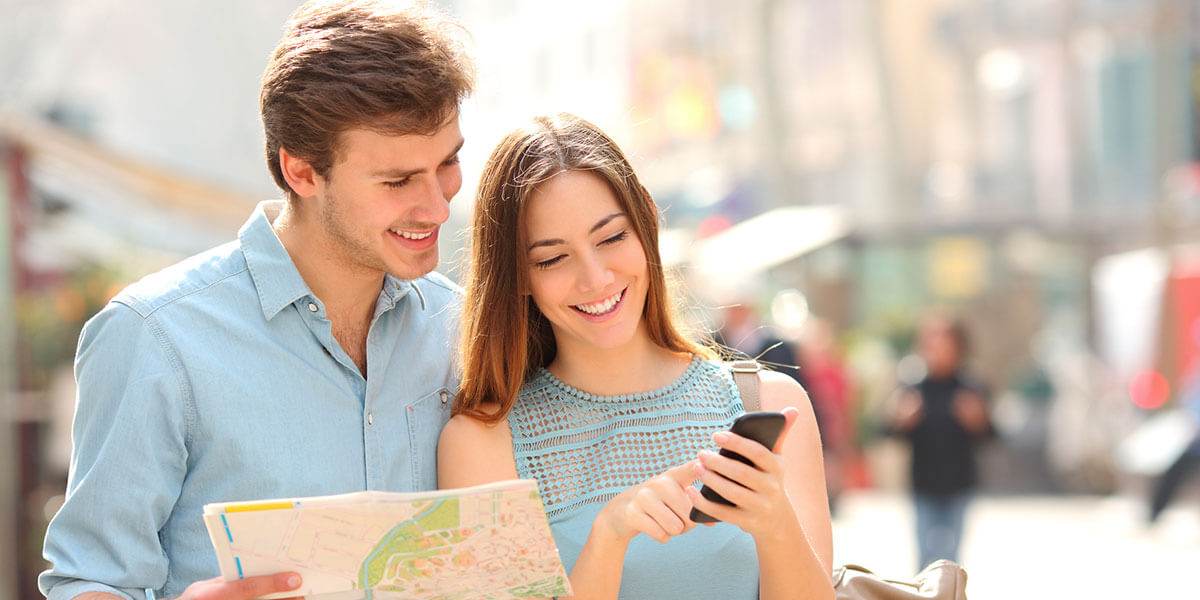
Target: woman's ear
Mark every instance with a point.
(299, 174)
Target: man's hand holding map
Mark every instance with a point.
(490, 541)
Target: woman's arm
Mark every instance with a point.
(471, 452)
(783, 502)
(658, 508)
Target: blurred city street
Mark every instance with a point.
(1036, 546)
(827, 175)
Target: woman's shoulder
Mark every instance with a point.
(467, 429)
(472, 451)
(780, 391)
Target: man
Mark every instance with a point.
(944, 416)
(310, 356)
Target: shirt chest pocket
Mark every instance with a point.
(426, 418)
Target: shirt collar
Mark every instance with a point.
(275, 276)
(279, 283)
(395, 290)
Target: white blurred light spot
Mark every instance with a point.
(789, 311)
(737, 107)
(1001, 71)
(706, 186)
(911, 370)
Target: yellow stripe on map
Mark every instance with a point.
(256, 506)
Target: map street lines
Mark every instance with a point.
(490, 541)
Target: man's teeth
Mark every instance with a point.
(411, 236)
(600, 308)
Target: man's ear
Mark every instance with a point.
(298, 173)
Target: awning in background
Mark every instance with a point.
(772, 238)
(107, 204)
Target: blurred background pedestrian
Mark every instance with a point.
(828, 385)
(943, 415)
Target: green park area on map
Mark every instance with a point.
(417, 542)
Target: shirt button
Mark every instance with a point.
(370, 419)
(312, 306)
(443, 394)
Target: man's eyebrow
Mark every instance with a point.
(557, 241)
(399, 174)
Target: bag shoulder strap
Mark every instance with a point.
(745, 377)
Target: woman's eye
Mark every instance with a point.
(549, 262)
(616, 238)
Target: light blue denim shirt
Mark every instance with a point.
(219, 379)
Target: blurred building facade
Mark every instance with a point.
(987, 155)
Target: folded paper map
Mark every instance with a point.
(489, 542)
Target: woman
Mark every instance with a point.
(575, 374)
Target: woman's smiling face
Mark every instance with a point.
(587, 270)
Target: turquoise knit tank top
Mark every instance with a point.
(585, 449)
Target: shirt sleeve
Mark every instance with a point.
(128, 460)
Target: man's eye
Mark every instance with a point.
(399, 183)
(549, 262)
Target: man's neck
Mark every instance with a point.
(348, 291)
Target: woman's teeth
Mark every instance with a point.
(602, 307)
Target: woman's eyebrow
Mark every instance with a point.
(557, 241)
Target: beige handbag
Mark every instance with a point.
(941, 580)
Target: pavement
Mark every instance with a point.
(1088, 547)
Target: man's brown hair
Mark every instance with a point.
(345, 64)
(505, 338)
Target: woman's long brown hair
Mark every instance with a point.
(505, 338)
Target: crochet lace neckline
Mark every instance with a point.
(545, 377)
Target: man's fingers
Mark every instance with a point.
(250, 587)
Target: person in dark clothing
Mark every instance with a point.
(943, 416)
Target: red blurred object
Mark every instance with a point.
(858, 472)
(712, 225)
(1149, 389)
(1184, 289)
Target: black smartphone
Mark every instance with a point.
(763, 427)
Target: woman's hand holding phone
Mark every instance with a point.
(657, 507)
(756, 490)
